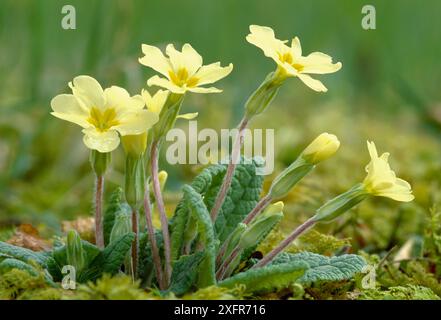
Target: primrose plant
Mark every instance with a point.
(221, 218)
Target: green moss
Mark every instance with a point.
(216, 293)
(20, 285)
(409, 292)
(119, 287)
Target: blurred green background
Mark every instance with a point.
(388, 90)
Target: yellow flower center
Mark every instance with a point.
(181, 78)
(103, 120)
(288, 58)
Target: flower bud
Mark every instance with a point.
(121, 226)
(289, 177)
(340, 204)
(262, 97)
(100, 162)
(168, 115)
(234, 238)
(74, 251)
(134, 181)
(323, 147)
(259, 229)
(274, 208)
(162, 177)
(135, 145)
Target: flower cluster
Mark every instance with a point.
(110, 116)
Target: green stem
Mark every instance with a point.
(161, 209)
(285, 243)
(135, 243)
(99, 189)
(151, 232)
(223, 191)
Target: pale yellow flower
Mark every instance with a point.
(156, 102)
(183, 70)
(289, 59)
(104, 115)
(381, 180)
(322, 148)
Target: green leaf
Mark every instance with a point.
(22, 254)
(185, 273)
(116, 204)
(199, 211)
(268, 278)
(90, 253)
(258, 231)
(146, 270)
(241, 198)
(11, 263)
(322, 268)
(115, 253)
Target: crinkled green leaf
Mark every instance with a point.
(115, 253)
(260, 228)
(322, 268)
(146, 270)
(199, 211)
(185, 273)
(22, 254)
(241, 198)
(268, 278)
(11, 263)
(116, 204)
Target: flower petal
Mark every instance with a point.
(314, 84)
(192, 60)
(296, 47)
(88, 91)
(204, 90)
(116, 97)
(106, 141)
(136, 122)
(188, 59)
(66, 107)
(264, 38)
(155, 59)
(156, 102)
(212, 73)
(319, 63)
(165, 83)
(187, 116)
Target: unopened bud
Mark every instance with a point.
(74, 251)
(135, 145)
(322, 148)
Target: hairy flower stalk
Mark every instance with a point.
(135, 182)
(99, 162)
(380, 181)
(161, 208)
(99, 191)
(151, 232)
(235, 154)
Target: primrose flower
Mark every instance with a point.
(289, 59)
(381, 180)
(156, 102)
(183, 70)
(104, 115)
(322, 148)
